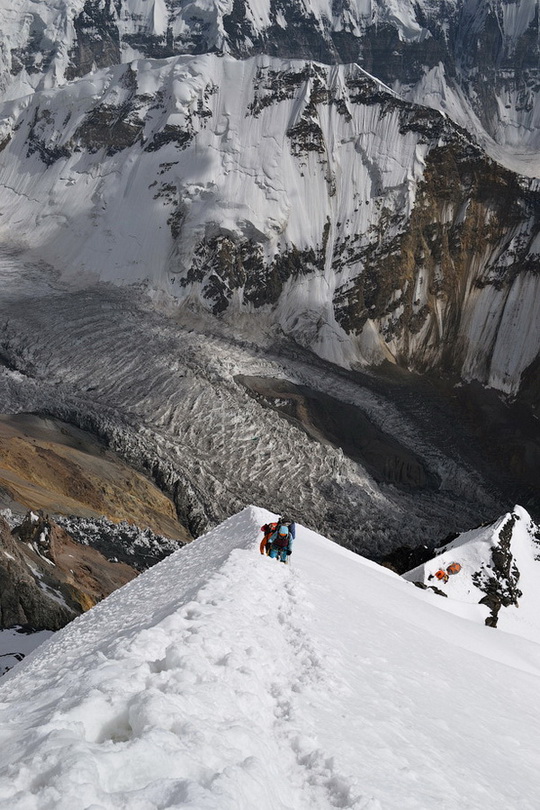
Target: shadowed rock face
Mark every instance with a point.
(466, 205)
(326, 419)
(22, 601)
(47, 579)
(97, 38)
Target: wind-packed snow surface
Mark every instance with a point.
(223, 679)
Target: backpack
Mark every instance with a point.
(291, 525)
(453, 568)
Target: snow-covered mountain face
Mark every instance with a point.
(476, 58)
(305, 196)
(255, 198)
(365, 227)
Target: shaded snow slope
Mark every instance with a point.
(509, 133)
(500, 574)
(222, 679)
(16, 643)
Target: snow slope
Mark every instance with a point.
(15, 643)
(498, 580)
(222, 679)
(477, 61)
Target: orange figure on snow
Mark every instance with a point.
(453, 568)
(268, 529)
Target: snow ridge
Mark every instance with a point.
(182, 664)
(222, 679)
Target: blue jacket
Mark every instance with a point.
(288, 542)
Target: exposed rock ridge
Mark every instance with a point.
(501, 584)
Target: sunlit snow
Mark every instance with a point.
(223, 679)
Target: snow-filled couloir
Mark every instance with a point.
(223, 679)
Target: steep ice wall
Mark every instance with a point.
(477, 60)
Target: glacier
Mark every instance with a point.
(163, 390)
(320, 196)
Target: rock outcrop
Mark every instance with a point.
(50, 465)
(495, 567)
(46, 579)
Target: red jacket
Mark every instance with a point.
(268, 529)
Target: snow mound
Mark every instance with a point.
(223, 679)
(498, 577)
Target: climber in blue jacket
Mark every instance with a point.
(281, 540)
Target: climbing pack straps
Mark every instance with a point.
(280, 538)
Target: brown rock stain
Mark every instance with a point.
(70, 473)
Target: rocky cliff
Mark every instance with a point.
(47, 579)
